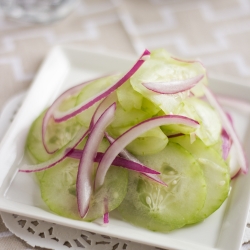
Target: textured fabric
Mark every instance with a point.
(217, 32)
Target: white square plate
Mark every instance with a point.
(19, 193)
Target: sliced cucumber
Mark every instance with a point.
(142, 145)
(85, 117)
(149, 107)
(128, 98)
(160, 208)
(34, 144)
(128, 118)
(215, 170)
(58, 190)
(210, 126)
(90, 90)
(155, 132)
(162, 67)
(218, 184)
(57, 135)
(60, 135)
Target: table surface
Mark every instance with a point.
(217, 32)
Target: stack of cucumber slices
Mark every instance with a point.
(151, 144)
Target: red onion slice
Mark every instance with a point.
(122, 141)
(55, 105)
(191, 62)
(126, 155)
(84, 174)
(106, 212)
(63, 116)
(188, 61)
(106, 218)
(226, 139)
(110, 99)
(226, 143)
(77, 154)
(173, 87)
(71, 145)
(118, 161)
(229, 128)
(125, 163)
(234, 176)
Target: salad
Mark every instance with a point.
(152, 144)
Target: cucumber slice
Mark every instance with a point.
(160, 208)
(218, 186)
(128, 98)
(210, 125)
(34, 145)
(59, 136)
(143, 144)
(95, 87)
(85, 117)
(216, 173)
(58, 188)
(162, 67)
(149, 107)
(199, 150)
(59, 192)
(128, 118)
(170, 130)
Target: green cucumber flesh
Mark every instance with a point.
(34, 144)
(160, 208)
(210, 126)
(142, 145)
(128, 98)
(57, 135)
(90, 90)
(125, 118)
(216, 173)
(58, 190)
(161, 67)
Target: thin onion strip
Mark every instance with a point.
(126, 155)
(84, 186)
(173, 87)
(82, 133)
(229, 128)
(118, 161)
(106, 212)
(122, 141)
(63, 116)
(54, 106)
